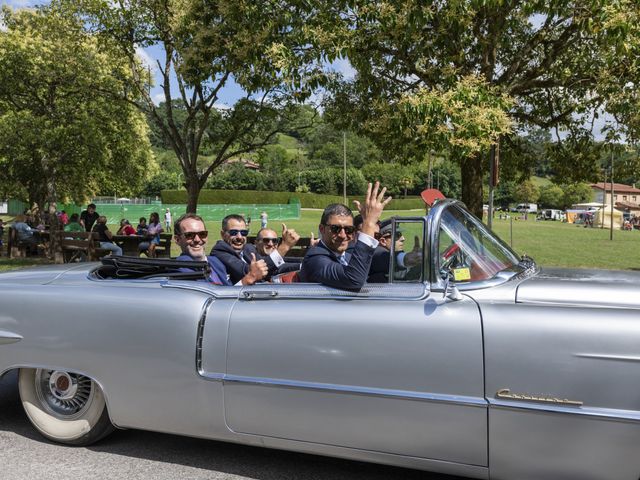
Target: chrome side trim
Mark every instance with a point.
(604, 413)
(9, 337)
(357, 390)
(200, 334)
(604, 356)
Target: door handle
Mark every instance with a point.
(257, 294)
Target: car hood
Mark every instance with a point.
(41, 275)
(598, 288)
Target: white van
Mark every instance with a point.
(527, 207)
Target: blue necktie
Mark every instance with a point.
(343, 260)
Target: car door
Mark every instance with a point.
(392, 368)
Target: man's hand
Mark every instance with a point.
(289, 239)
(374, 203)
(257, 271)
(313, 241)
(414, 257)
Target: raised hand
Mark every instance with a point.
(257, 271)
(374, 203)
(313, 241)
(289, 238)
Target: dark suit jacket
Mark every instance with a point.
(379, 270)
(234, 263)
(216, 266)
(321, 265)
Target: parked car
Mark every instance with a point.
(526, 208)
(473, 362)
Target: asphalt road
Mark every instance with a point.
(135, 454)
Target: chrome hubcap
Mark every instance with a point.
(65, 395)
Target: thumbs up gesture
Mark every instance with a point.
(257, 271)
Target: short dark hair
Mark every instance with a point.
(177, 226)
(91, 205)
(74, 217)
(335, 209)
(259, 234)
(233, 216)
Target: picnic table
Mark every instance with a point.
(130, 244)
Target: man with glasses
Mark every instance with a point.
(267, 242)
(379, 271)
(234, 252)
(329, 262)
(191, 235)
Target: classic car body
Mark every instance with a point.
(473, 363)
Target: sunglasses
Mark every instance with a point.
(233, 232)
(267, 240)
(388, 235)
(192, 235)
(336, 229)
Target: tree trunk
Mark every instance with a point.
(193, 190)
(471, 169)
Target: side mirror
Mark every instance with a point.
(450, 290)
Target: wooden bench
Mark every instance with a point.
(80, 246)
(130, 244)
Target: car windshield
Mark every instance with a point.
(468, 249)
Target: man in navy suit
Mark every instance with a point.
(191, 235)
(329, 262)
(236, 254)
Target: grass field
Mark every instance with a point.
(548, 243)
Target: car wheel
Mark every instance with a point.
(64, 407)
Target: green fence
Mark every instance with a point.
(132, 212)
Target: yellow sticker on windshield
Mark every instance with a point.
(461, 274)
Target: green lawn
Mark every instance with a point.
(549, 243)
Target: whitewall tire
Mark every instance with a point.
(63, 406)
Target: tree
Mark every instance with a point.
(576, 193)
(526, 192)
(551, 196)
(60, 138)
(205, 46)
(561, 63)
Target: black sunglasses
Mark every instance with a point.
(192, 235)
(336, 229)
(269, 240)
(233, 232)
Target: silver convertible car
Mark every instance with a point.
(472, 362)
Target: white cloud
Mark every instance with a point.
(157, 98)
(18, 3)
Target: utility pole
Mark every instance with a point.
(344, 167)
(611, 218)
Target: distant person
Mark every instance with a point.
(141, 228)
(1, 235)
(74, 224)
(27, 235)
(263, 219)
(105, 237)
(63, 218)
(329, 263)
(126, 228)
(191, 235)
(154, 229)
(88, 217)
(167, 220)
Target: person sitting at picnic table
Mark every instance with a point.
(141, 229)
(27, 235)
(74, 224)
(105, 236)
(126, 228)
(153, 231)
